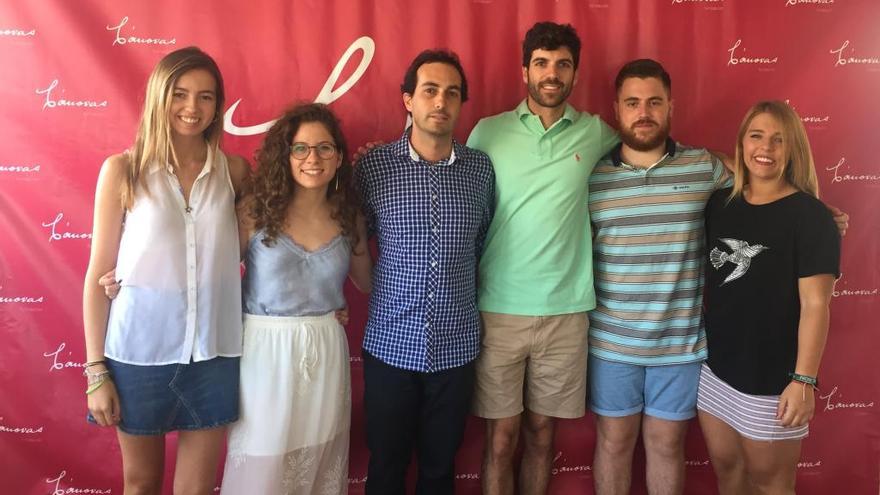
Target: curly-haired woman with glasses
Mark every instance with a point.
(303, 235)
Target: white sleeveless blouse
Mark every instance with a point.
(180, 274)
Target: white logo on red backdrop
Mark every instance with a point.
(120, 39)
(843, 59)
(696, 462)
(743, 60)
(59, 363)
(19, 430)
(56, 234)
(834, 401)
(66, 489)
(809, 464)
(15, 168)
(18, 33)
(811, 121)
(327, 94)
(563, 468)
(842, 177)
(792, 3)
(49, 102)
(844, 292)
(20, 299)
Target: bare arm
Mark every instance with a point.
(797, 402)
(240, 174)
(245, 223)
(361, 269)
(106, 234)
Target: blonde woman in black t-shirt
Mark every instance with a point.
(774, 253)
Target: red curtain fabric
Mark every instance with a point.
(72, 77)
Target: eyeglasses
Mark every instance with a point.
(301, 151)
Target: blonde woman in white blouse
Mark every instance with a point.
(165, 356)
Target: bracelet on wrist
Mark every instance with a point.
(95, 386)
(89, 364)
(805, 379)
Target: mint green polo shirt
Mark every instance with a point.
(538, 252)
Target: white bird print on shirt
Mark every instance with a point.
(741, 257)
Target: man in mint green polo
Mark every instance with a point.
(535, 278)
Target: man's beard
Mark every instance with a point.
(631, 139)
(549, 102)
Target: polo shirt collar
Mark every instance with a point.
(618, 162)
(522, 110)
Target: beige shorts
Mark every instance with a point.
(537, 363)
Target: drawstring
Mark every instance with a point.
(309, 358)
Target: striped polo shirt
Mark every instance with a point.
(649, 240)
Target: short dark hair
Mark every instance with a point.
(551, 36)
(643, 68)
(410, 79)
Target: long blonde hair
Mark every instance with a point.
(153, 140)
(800, 171)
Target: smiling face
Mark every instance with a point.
(644, 113)
(763, 149)
(550, 77)
(313, 171)
(193, 103)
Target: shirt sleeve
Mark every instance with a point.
(817, 242)
(723, 178)
(608, 137)
(474, 140)
(488, 212)
(362, 184)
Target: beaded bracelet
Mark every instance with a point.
(89, 364)
(93, 378)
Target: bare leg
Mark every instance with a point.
(502, 436)
(664, 452)
(143, 463)
(728, 457)
(198, 456)
(537, 459)
(772, 466)
(612, 461)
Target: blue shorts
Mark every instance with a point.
(666, 392)
(157, 399)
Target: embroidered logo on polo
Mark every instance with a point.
(741, 257)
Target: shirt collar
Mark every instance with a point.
(618, 162)
(209, 164)
(404, 148)
(522, 111)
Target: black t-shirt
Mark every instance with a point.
(756, 253)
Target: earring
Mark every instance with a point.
(336, 185)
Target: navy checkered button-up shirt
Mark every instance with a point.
(430, 220)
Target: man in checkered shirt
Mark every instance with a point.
(429, 201)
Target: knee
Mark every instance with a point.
(770, 481)
(139, 483)
(501, 443)
(666, 445)
(539, 433)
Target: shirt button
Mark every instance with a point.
(433, 263)
(430, 295)
(434, 197)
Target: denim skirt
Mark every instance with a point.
(157, 399)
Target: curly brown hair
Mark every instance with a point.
(273, 183)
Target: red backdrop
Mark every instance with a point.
(72, 76)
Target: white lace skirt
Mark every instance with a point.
(292, 435)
